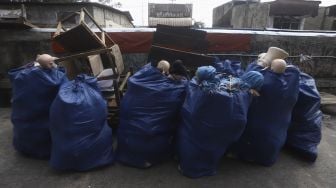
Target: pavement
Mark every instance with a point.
(18, 171)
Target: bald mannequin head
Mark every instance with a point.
(46, 61)
(278, 66)
(163, 66)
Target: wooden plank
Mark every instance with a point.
(79, 39)
(122, 85)
(96, 64)
(83, 54)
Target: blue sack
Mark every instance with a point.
(269, 117)
(205, 73)
(81, 137)
(211, 122)
(229, 67)
(148, 118)
(304, 134)
(34, 89)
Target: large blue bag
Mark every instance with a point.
(34, 89)
(304, 134)
(148, 118)
(81, 137)
(269, 117)
(229, 67)
(211, 122)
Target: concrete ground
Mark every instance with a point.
(18, 171)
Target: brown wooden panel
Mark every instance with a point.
(78, 39)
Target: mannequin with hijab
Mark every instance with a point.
(45, 61)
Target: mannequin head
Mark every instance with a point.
(278, 66)
(163, 66)
(272, 53)
(46, 61)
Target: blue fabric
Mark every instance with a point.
(81, 137)
(205, 73)
(252, 80)
(148, 118)
(304, 134)
(34, 89)
(211, 122)
(269, 117)
(229, 67)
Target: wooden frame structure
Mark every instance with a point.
(72, 38)
(81, 42)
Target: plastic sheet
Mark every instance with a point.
(229, 67)
(304, 134)
(81, 137)
(148, 118)
(212, 121)
(34, 89)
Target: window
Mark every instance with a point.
(287, 23)
(61, 15)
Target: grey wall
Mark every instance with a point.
(46, 15)
(221, 16)
(101, 14)
(254, 15)
(317, 23)
(19, 47)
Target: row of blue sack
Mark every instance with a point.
(160, 118)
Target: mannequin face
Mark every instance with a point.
(46, 61)
(278, 66)
(47, 64)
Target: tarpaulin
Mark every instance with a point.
(223, 42)
(269, 117)
(304, 134)
(81, 137)
(211, 122)
(229, 67)
(34, 89)
(148, 118)
(133, 42)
